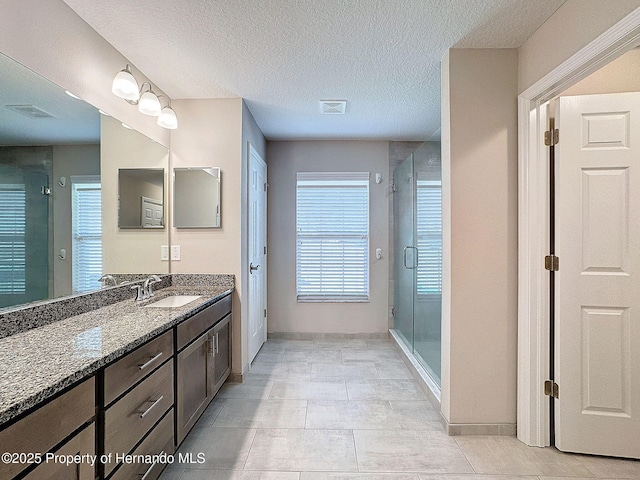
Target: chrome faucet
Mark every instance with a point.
(147, 288)
(107, 281)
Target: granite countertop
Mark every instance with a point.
(38, 363)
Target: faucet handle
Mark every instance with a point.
(139, 292)
(107, 280)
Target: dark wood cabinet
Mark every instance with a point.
(83, 444)
(203, 365)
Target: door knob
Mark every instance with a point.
(252, 268)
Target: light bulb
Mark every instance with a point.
(149, 104)
(168, 118)
(125, 85)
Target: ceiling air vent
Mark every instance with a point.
(30, 111)
(333, 107)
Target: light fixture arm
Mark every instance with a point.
(142, 90)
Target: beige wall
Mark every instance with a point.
(285, 159)
(621, 75)
(479, 158)
(68, 160)
(570, 28)
(210, 135)
(129, 250)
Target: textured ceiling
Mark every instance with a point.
(282, 56)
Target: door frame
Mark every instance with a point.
(533, 212)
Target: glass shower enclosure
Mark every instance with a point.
(417, 210)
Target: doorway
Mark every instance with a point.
(534, 313)
(257, 252)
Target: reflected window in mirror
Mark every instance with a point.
(140, 198)
(86, 232)
(196, 202)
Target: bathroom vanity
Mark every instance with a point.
(128, 378)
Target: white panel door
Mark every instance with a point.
(598, 283)
(257, 252)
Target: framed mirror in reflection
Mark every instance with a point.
(140, 198)
(196, 200)
(53, 182)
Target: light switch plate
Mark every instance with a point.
(175, 252)
(164, 253)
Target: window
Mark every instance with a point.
(332, 224)
(429, 233)
(13, 224)
(86, 233)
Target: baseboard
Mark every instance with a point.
(326, 336)
(499, 429)
(235, 378)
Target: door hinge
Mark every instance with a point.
(551, 389)
(44, 190)
(393, 311)
(265, 313)
(551, 137)
(265, 250)
(266, 186)
(552, 263)
(393, 187)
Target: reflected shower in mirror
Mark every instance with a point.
(196, 201)
(141, 198)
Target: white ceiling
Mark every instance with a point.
(282, 56)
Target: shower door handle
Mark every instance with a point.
(404, 257)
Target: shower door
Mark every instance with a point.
(404, 250)
(24, 235)
(417, 209)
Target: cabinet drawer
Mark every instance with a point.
(132, 368)
(202, 321)
(131, 417)
(159, 440)
(49, 425)
(81, 444)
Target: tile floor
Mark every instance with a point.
(350, 410)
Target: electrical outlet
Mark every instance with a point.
(164, 253)
(175, 252)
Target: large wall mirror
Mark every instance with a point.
(58, 200)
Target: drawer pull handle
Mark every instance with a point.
(143, 476)
(142, 415)
(151, 360)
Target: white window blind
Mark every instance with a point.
(429, 237)
(86, 233)
(13, 224)
(332, 220)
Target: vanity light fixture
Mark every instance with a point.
(149, 104)
(125, 86)
(167, 118)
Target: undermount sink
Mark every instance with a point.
(174, 301)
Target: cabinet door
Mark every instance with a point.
(81, 444)
(222, 359)
(193, 384)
